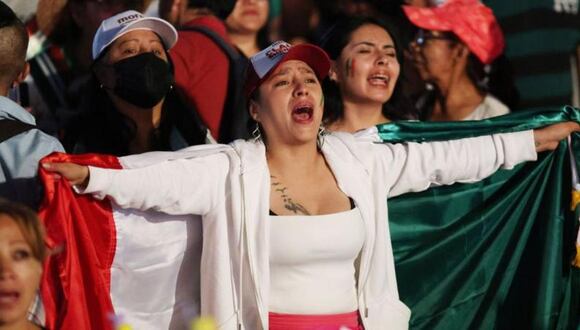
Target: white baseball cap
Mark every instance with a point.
(266, 61)
(115, 26)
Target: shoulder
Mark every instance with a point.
(494, 107)
(35, 142)
(350, 148)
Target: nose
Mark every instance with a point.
(300, 89)
(6, 268)
(382, 60)
(414, 47)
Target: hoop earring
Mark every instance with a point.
(320, 137)
(256, 133)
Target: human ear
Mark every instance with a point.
(462, 51)
(254, 110)
(333, 72)
(22, 75)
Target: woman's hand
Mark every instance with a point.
(75, 174)
(547, 138)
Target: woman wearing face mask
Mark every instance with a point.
(363, 88)
(247, 26)
(454, 52)
(131, 105)
(295, 224)
(22, 252)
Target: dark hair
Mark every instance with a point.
(333, 42)
(101, 128)
(495, 78)
(13, 45)
(220, 8)
(29, 224)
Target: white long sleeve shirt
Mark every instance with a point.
(229, 186)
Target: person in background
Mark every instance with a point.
(22, 253)
(363, 87)
(454, 51)
(266, 203)
(22, 145)
(132, 107)
(60, 56)
(201, 67)
(246, 26)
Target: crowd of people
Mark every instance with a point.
(280, 139)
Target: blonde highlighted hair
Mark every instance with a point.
(29, 225)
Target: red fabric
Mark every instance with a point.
(81, 233)
(470, 20)
(343, 321)
(202, 70)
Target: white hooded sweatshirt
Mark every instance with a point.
(229, 187)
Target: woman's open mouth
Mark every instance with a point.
(379, 80)
(303, 113)
(8, 298)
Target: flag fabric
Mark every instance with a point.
(487, 255)
(496, 254)
(112, 266)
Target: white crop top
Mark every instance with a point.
(312, 259)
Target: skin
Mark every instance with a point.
(132, 44)
(302, 182)
(20, 274)
(244, 23)
(369, 53)
(444, 62)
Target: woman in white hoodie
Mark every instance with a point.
(295, 223)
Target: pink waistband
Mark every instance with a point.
(342, 321)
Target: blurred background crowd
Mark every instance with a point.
(62, 89)
(538, 66)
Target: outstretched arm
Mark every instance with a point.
(416, 166)
(182, 186)
(548, 138)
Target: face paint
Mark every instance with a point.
(348, 67)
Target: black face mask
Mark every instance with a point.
(142, 80)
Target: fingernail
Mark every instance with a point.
(46, 165)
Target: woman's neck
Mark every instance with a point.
(290, 160)
(460, 97)
(146, 122)
(247, 43)
(357, 116)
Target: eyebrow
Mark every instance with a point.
(367, 43)
(303, 69)
(137, 40)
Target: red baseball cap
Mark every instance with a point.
(266, 61)
(472, 22)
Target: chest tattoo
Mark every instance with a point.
(289, 204)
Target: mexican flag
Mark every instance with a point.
(495, 254)
(492, 254)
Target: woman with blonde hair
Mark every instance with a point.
(22, 252)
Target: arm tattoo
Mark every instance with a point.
(289, 204)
